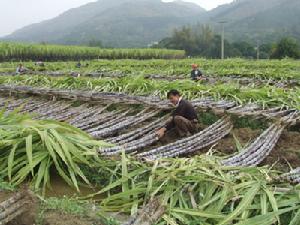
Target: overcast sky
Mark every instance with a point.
(15, 14)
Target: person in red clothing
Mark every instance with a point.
(184, 119)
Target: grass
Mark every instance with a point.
(79, 208)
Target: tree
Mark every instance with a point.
(245, 49)
(286, 47)
(198, 40)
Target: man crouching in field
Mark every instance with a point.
(184, 118)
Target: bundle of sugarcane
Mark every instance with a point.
(84, 115)
(203, 102)
(73, 112)
(114, 74)
(258, 150)
(137, 133)
(131, 146)
(245, 109)
(208, 136)
(57, 108)
(83, 118)
(150, 214)
(230, 106)
(223, 104)
(163, 77)
(280, 113)
(211, 103)
(293, 176)
(13, 207)
(117, 118)
(4, 101)
(34, 106)
(96, 120)
(125, 123)
(12, 105)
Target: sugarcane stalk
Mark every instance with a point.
(10, 201)
(131, 121)
(258, 150)
(183, 141)
(150, 214)
(201, 141)
(12, 209)
(133, 135)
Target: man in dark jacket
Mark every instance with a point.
(184, 118)
(196, 74)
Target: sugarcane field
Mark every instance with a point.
(150, 112)
(81, 145)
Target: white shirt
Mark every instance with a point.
(178, 102)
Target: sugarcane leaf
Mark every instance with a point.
(198, 213)
(10, 161)
(296, 219)
(29, 151)
(267, 219)
(243, 205)
(41, 172)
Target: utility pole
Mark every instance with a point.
(257, 50)
(223, 39)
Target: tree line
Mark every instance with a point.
(200, 40)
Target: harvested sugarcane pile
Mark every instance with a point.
(256, 152)
(95, 74)
(95, 120)
(259, 150)
(139, 132)
(213, 79)
(255, 110)
(103, 97)
(150, 214)
(199, 189)
(293, 176)
(14, 207)
(112, 127)
(90, 96)
(131, 146)
(188, 145)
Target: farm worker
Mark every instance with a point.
(184, 119)
(78, 65)
(40, 63)
(20, 69)
(196, 74)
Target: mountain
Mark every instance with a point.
(263, 20)
(117, 23)
(137, 23)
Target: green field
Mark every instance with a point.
(94, 127)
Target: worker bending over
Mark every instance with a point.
(196, 74)
(21, 69)
(184, 119)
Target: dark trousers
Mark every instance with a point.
(184, 127)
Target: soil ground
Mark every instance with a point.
(47, 217)
(54, 218)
